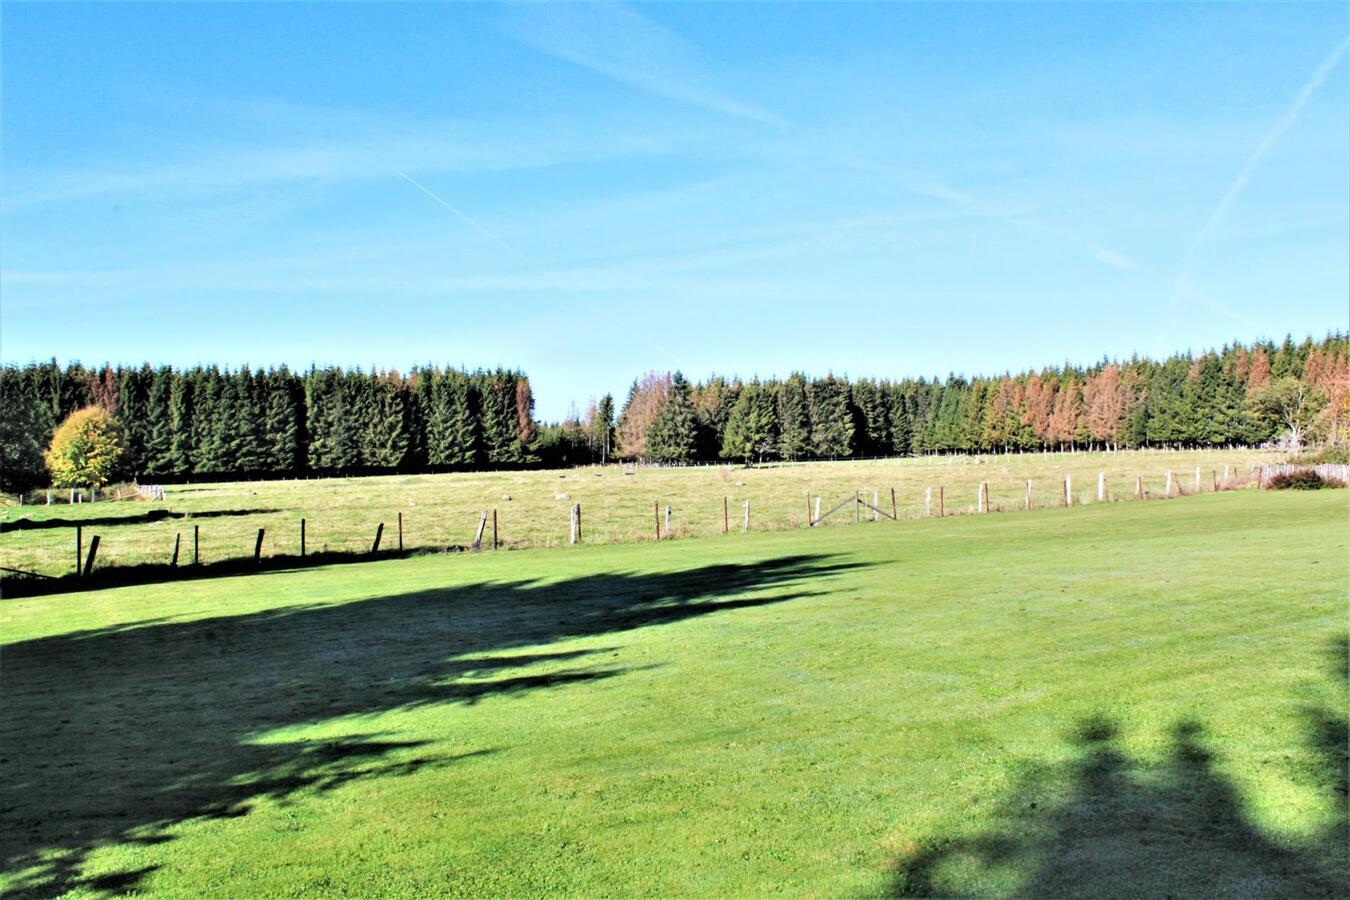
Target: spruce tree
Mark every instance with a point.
(831, 418)
(751, 429)
(180, 425)
(463, 421)
(794, 421)
(672, 436)
(158, 427)
(283, 424)
(25, 429)
(386, 431)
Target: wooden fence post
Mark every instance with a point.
(400, 530)
(79, 548)
(478, 535)
(656, 514)
(746, 526)
(1101, 487)
(942, 501)
(1068, 490)
(177, 540)
(928, 500)
(668, 532)
(895, 515)
(1197, 479)
(1139, 486)
(1028, 493)
(809, 521)
(93, 552)
(379, 533)
(1214, 474)
(1167, 490)
(257, 548)
(494, 528)
(816, 520)
(196, 543)
(302, 538)
(726, 514)
(875, 503)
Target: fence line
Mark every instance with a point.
(1335, 471)
(144, 544)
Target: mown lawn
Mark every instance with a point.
(1139, 699)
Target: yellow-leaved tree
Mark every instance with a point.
(85, 449)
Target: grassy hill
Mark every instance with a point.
(1127, 699)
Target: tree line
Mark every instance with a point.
(1238, 395)
(208, 422)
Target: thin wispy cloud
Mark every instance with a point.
(927, 186)
(232, 166)
(619, 43)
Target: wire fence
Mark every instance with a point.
(165, 540)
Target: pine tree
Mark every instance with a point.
(794, 421)
(713, 402)
(463, 423)
(672, 436)
(751, 429)
(207, 452)
(901, 433)
(871, 418)
(500, 443)
(385, 441)
(602, 428)
(831, 419)
(25, 430)
(283, 424)
(180, 461)
(156, 458)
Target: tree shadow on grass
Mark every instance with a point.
(158, 514)
(116, 736)
(1175, 829)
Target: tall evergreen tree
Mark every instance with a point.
(831, 418)
(158, 432)
(672, 436)
(283, 423)
(794, 418)
(751, 430)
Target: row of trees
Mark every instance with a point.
(1238, 395)
(211, 422)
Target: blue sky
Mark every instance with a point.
(587, 192)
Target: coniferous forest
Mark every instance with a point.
(208, 422)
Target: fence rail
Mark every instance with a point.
(1334, 471)
(161, 539)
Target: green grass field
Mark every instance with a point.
(443, 510)
(1144, 699)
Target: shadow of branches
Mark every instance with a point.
(116, 735)
(1175, 829)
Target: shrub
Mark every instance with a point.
(1302, 480)
(85, 450)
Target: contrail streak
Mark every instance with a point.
(470, 222)
(1258, 156)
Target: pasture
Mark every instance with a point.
(440, 511)
(1138, 699)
